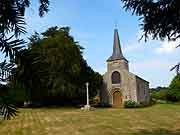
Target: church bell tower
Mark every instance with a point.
(120, 85)
(117, 60)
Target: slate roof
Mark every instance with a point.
(117, 52)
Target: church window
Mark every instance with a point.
(116, 79)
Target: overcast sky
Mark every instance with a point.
(92, 24)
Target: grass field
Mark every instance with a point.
(160, 119)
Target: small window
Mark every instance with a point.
(116, 79)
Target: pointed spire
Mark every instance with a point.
(117, 52)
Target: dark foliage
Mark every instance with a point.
(160, 18)
(174, 90)
(159, 93)
(12, 25)
(7, 107)
(53, 71)
(133, 104)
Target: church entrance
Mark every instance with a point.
(117, 98)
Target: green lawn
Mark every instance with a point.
(160, 119)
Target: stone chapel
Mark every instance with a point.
(119, 84)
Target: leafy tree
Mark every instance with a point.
(175, 84)
(53, 70)
(11, 27)
(174, 89)
(159, 88)
(160, 95)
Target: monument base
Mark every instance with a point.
(86, 108)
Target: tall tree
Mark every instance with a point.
(54, 69)
(174, 89)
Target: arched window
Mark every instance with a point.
(116, 78)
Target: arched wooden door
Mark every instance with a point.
(117, 98)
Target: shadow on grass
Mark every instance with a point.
(159, 131)
(1, 121)
(50, 107)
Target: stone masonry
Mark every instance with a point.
(119, 84)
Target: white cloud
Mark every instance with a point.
(137, 44)
(133, 47)
(167, 47)
(153, 64)
(156, 71)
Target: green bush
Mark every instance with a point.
(174, 90)
(173, 95)
(159, 95)
(146, 104)
(152, 101)
(131, 104)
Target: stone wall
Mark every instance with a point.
(143, 92)
(127, 85)
(131, 86)
(118, 64)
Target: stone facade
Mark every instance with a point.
(119, 84)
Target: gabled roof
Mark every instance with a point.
(117, 52)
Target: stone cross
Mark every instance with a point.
(87, 106)
(87, 93)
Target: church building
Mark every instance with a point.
(119, 84)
